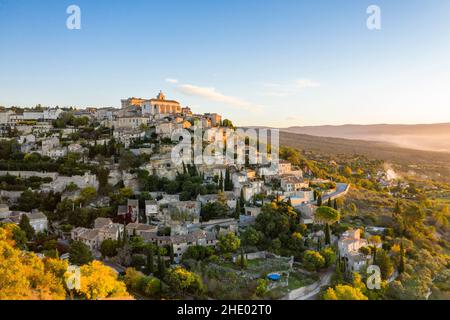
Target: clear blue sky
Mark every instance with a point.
(258, 62)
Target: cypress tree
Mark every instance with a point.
(150, 258)
(401, 267)
(163, 267)
(338, 271)
(119, 241)
(125, 235)
(228, 183)
(160, 265)
(319, 200)
(327, 234)
(237, 211)
(329, 204)
(26, 227)
(242, 199)
(221, 182)
(172, 258)
(242, 259)
(335, 205)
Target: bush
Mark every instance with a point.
(313, 260)
(329, 255)
(151, 286)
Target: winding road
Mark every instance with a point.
(324, 281)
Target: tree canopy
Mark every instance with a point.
(344, 292)
(328, 215)
(23, 276)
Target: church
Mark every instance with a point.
(150, 107)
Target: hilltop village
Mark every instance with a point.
(99, 185)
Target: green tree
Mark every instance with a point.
(261, 287)
(221, 183)
(250, 237)
(214, 210)
(28, 201)
(25, 226)
(242, 260)
(150, 259)
(182, 282)
(227, 123)
(313, 260)
(319, 200)
(151, 287)
(338, 272)
(198, 253)
(327, 234)
(401, 267)
(414, 214)
(237, 210)
(171, 254)
(108, 248)
(328, 216)
(88, 194)
(242, 200)
(126, 193)
(79, 253)
(19, 237)
(276, 219)
(329, 255)
(228, 243)
(228, 182)
(385, 263)
(161, 266)
(137, 244)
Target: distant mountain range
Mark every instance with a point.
(429, 137)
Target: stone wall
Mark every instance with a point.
(10, 195)
(28, 174)
(59, 182)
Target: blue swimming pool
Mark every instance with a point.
(274, 276)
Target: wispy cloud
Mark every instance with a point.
(284, 90)
(306, 83)
(213, 95)
(171, 80)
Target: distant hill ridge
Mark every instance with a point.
(429, 137)
(426, 129)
